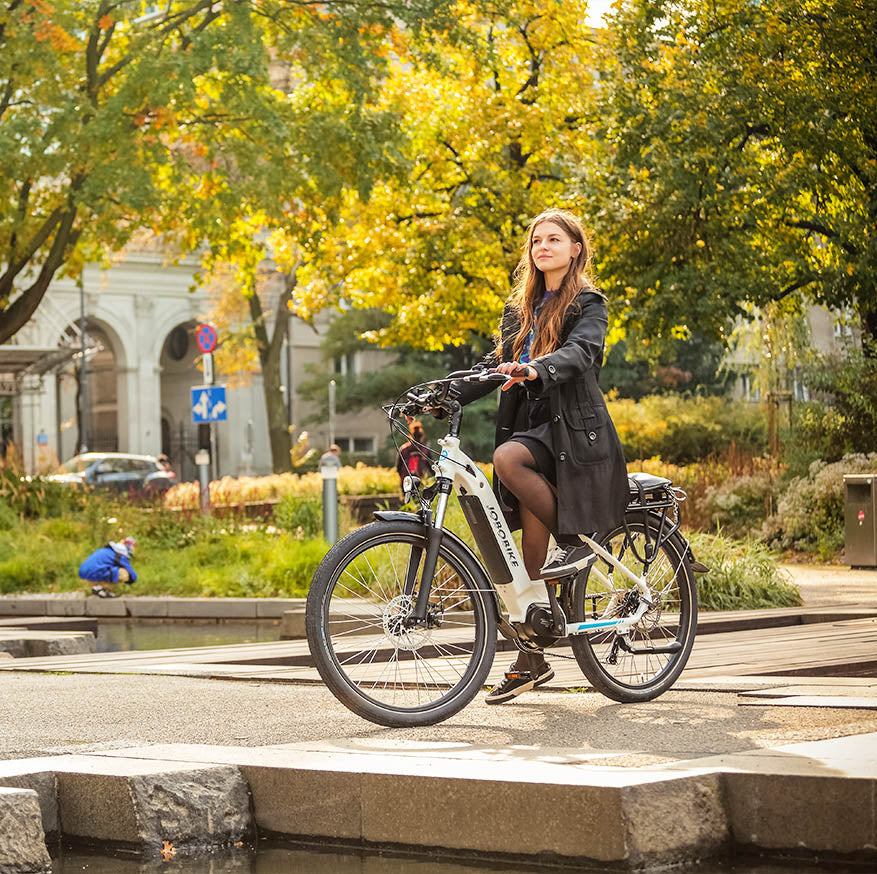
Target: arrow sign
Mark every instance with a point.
(209, 404)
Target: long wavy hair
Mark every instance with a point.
(529, 287)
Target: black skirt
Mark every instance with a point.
(533, 430)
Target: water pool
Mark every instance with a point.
(146, 634)
(274, 859)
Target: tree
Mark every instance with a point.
(95, 102)
(208, 121)
(740, 161)
(494, 122)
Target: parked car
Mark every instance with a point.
(117, 471)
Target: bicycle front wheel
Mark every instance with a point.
(645, 663)
(372, 662)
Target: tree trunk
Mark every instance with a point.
(868, 318)
(270, 349)
(278, 429)
(17, 314)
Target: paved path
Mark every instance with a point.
(61, 712)
(826, 585)
(781, 749)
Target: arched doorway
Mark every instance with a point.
(180, 439)
(101, 432)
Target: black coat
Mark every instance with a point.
(592, 489)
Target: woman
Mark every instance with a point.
(558, 465)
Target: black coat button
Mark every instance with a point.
(555, 419)
(552, 368)
(592, 435)
(562, 456)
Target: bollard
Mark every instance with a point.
(329, 473)
(202, 459)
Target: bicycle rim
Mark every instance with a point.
(385, 665)
(642, 672)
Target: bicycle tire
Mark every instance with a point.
(640, 675)
(380, 670)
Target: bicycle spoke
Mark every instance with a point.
(389, 660)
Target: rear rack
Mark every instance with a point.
(661, 503)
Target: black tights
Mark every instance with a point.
(515, 466)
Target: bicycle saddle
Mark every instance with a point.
(646, 481)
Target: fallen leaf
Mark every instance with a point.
(167, 852)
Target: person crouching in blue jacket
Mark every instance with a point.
(109, 564)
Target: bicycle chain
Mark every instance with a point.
(560, 655)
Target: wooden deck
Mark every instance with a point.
(843, 647)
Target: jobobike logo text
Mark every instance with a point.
(507, 544)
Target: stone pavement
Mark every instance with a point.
(762, 763)
(682, 777)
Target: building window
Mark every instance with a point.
(178, 343)
(357, 445)
(364, 445)
(347, 365)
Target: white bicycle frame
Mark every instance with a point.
(521, 592)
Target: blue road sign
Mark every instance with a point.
(208, 404)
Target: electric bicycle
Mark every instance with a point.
(402, 615)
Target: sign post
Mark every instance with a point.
(202, 459)
(206, 338)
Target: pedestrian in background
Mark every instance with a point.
(413, 459)
(110, 564)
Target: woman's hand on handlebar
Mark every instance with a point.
(516, 373)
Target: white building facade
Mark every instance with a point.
(143, 361)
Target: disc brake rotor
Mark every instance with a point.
(408, 639)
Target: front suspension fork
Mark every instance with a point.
(434, 535)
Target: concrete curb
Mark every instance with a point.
(22, 841)
(130, 803)
(147, 606)
(814, 798)
(24, 643)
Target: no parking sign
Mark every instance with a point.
(205, 337)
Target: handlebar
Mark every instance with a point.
(437, 394)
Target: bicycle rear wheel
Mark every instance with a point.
(380, 669)
(647, 662)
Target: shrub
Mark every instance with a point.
(63, 529)
(810, 514)
(8, 517)
(36, 497)
(740, 504)
(292, 568)
(167, 529)
(680, 429)
(743, 575)
(704, 478)
(302, 516)
(228, 491)
(849, 381)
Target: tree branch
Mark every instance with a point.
(171, 23)
(819, 228)
(798, 283)
(38, 239)
(17, 315)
